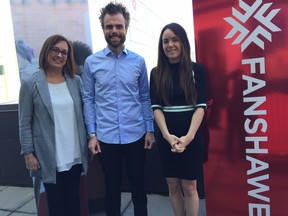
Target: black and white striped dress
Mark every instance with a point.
(186, 165)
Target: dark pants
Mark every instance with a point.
(63, 198)
(111, 160)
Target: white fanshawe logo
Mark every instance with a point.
(259, 12)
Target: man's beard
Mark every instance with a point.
(117, 44)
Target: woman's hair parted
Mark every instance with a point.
(163, 78)
(113, 9)
(70, 67)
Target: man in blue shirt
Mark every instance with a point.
(117, 111)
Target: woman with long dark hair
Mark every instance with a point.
(178, 97)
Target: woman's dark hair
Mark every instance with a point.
(113, 9)
(70, 67)
(163, 76)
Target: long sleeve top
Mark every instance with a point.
(178, 100)
(116, 96)
(37, 122)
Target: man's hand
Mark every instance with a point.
(149, 140)
(94, 146)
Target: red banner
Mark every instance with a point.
(244, 46)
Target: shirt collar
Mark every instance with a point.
(107, 51)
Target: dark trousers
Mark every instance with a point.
(63, 198)
(111, 157)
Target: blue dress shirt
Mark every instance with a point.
(116, 97)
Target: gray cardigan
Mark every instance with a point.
(36, 122)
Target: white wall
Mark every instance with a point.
(9, 81)
(148, 17)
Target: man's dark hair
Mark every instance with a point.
(81, 52)
(113, 9)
